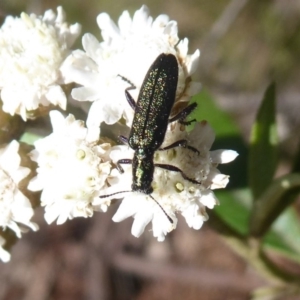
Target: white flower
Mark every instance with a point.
(32, 49)
(128, 50)
(71, 170)
(4, 255)
(172, 192)
(15, 208)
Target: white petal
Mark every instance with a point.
(85, 94)
(160, 22)
(93, 134)
(95, 116)
(141, 18)
(141, 220)
(183, 47)
(62, 218)
(193, 62)
(219, 181)
(223, 156)
(75, 30)
(100, 111)
(193, 217)
(90, 45)
(56, 96)
(50, 216)
(77, 67)
(162, 225)
(57, 120)
(10, 159)
(4, 255)
(14, 227)
(35, 185)
(19, 174)
(171, 29)
(124, 23)
(108, 27)
(21, 208)
(202, 136)
(209, 199)
(125, 210)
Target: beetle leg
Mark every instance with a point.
(175, 169)
(123, 161)
(183, 114)
(180, 143)
(127, 94)
(123, 139)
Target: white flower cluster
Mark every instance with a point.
(127, 50)
(15, 208)
(71, 172)
(74, 166)
(32, 49)
(174, 193)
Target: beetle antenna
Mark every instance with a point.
(105, 196)
(169, 218)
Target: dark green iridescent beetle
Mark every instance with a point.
(150, 122)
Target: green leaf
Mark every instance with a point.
(263, 145)
(219, 120)
(284, 236)
(30, 138)
(234, 209)
(273, 202)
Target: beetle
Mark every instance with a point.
(151, 118)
